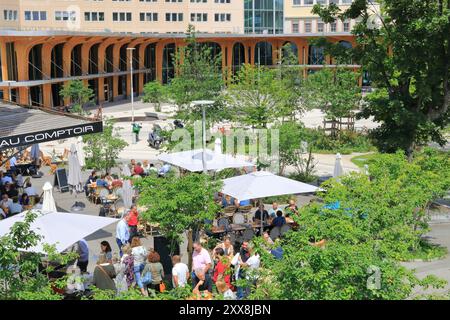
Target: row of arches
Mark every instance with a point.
(77, 66)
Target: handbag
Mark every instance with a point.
(147, 278)
(162, 287)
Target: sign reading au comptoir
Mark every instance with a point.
(50, 135)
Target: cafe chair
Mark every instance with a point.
(223, 223)
(229, 209)
(245, 209)
(238, 218)
(102, 195)
(284, 229)
(275, 233)
(248, 234)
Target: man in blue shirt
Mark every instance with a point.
(122, 233)
(15, 207)
(83, 251)
(164, 169)
(279, 221)
(273, 210)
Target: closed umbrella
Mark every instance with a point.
(218, 146)
(34, 153)
(48, 203)
(338, 169)
(127, 194)
(74, 177)
(80, 151)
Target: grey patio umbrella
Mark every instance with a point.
(127, 189)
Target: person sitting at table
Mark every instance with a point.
(109, 178)
(15, 207)
(138, 170)
(227, 201)
(227, 247)
(10, 190)
(6, 202)
(29, 189)
(24, 200)
(164, 170)
(105, 248)
(261, 213)
(104, 273)
(38, 202)
(102, 182)
(279, 221)
(5, 179)
(291, 209)
(92, 178)
(273, 210)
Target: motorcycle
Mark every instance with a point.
(155, 138)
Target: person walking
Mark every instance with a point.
(122, 233)
(200, 260)
(156, 268)
(133, 221)
(139, 254)
(83, 252)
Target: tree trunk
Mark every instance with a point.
(189, 248)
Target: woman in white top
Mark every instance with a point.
(139, 254)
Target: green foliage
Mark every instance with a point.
(336, 92)
(253, 96)
(198, 76)
(407, 59)
(78, 93)
(345, 142)
(340, 271)
(18, 276)
(295, 150)
(154, 92)
(102, 149)
(178, 204)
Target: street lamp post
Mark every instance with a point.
(134, 137)
(9, 88)
(203, 103)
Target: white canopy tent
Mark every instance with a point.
(263, 184)
(58, 228)
(191, 160)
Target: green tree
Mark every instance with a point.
(154, 93)
(252, 97)
(336, 92)
(407, 55)
(19, 278)
(198, 76)
(102, 149)
(178, 204)
(78, 93)
(296, 150)
(290, 77)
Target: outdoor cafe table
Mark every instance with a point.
(23, 167)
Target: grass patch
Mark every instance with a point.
(363, 159)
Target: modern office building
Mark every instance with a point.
(36, 64)
(299, 19)
(263, 16)
(125, 16)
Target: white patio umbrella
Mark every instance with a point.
(48, 203)
(74, 178)
(338, 169)
(127, 189)
(263, 184)
(127, 194)
(218, 146)
(58, 228)
(191, 160)
(34, 153)
(80, 152)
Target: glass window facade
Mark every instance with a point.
(263, 16)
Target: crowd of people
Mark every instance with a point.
(17, 194)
